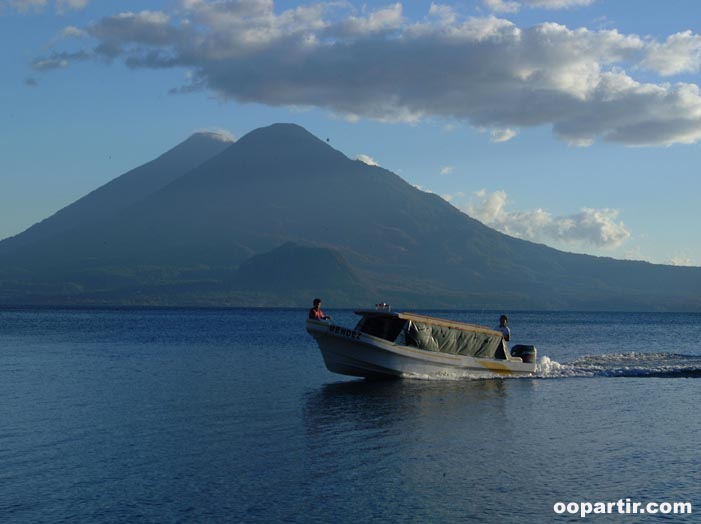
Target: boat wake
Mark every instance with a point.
(663, 365)
(634, 364)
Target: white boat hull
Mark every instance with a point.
(349, 352)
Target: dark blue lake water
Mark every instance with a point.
(230, 416)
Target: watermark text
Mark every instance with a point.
(622, 507)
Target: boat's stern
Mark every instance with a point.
(527, 354)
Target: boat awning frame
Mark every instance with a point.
(453, 324)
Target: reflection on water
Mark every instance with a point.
(382, 403)
(397, 441)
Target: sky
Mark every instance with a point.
(572, 123)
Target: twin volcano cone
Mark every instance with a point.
(252, 222)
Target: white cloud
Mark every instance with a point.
(59, 60)
(512, 6)
(680, 261)
(502, 6)
(503, 135)
(376, 64)
(680, 53)
(36, 6)
(72, 32)
(218, 133)
(556, 4)
(447, 170)
(386, 19)
(443, 13)
(366, 159)
(54, 62)
(597, 227)
(151, 28)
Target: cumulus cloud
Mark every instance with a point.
(556, 4)
(366, 159)
(218, 133)
(386, 19)
(443, 13)
(55, 61)
(59, 60)
(503, 6)
(512, 6)
(484, 72)
(503, 135)
(680, 260)
(35, 6)
(148, 28)
(680, 53)
(446, 170)
(591, 227)
(72, 32)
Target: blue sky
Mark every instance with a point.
(573, 123)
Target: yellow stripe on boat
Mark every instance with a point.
(496, 367)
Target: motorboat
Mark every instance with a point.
(391, 344)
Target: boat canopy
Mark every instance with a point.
(433, 334)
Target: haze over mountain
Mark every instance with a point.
(127, 189)
(280, 216)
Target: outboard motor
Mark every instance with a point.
(528, 354)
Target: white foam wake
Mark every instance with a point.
(548, 368)
(634, 364)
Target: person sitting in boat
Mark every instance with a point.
(503, 328)
(315, 313)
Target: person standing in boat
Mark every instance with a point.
(315, 313)
(503, 328)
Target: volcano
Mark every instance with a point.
(279, 217)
